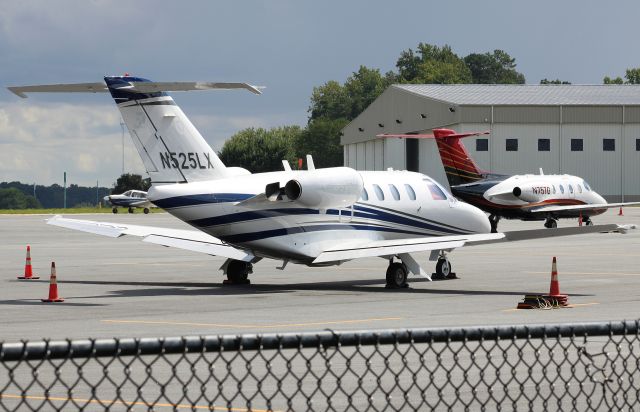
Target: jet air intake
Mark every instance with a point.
(325, 188)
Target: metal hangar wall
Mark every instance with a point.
(592, 131)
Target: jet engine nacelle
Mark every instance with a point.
(531, 193)
(325, 188)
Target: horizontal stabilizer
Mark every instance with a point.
(141, 87)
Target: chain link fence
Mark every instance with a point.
(579, 367)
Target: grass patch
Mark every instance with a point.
(70, 211)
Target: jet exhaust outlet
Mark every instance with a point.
(293, 189)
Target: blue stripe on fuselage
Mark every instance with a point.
(201, 199)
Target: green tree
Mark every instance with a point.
(633, 76)
(321, 139)
(335, 101)
(12, 198)
(609, 80)
(556, 81)
(130, 181)
(260, 150)
(432, 64)
(493, 68)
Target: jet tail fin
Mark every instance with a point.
(171, 148)
(458, 164)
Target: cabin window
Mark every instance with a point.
(561, 189)
(609, 145)
(576, 145)
(364, 195)
(544, 145)
(394, 192)
(436, 192)
(410, 192)
(379, 192)
(482, 145)
(511, 145)
(570, 189)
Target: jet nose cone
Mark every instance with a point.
(477, 220)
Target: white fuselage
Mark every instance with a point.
(413, 206)
(537, 190)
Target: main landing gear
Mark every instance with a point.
(493, 221)
(237, 272)
(398, 272)
(550, 223)
(587, 221)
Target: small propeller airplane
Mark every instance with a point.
(524, 197)
(129, 199)
(314, 217)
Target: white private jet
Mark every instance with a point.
(524, 197)
(130, 199)
(314, 217)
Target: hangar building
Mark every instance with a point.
(592, 131)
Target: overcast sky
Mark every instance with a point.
(289, 46)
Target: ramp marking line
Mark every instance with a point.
(239, 326)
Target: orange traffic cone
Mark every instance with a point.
(554, 290)
(28, 272)
(53, 286)
(620, 212)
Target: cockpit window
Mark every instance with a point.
(554, 189)
(394, 192)
(561, 189)
(570, 189)
(410, 192)
(579, 188)
(379, 192)
(436, 191)
(364, 195)
(586, 185)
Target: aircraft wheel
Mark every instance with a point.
(551, 224)
(493, 221)
(443, 268)
(146, 210)
(238, 271)
(130, 210)
(396, 276)
(588, 222)
(114, 210)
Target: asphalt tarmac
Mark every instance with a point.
(126, 288)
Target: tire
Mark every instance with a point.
(553, 224)
(130, 210)
(114, 210)
(443, 268)
(396, 276)
(238, 271)
(589, 222)
(146, 210)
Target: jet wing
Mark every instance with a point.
(425, 244)
(555, 208)
(192, 240)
